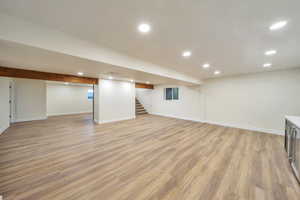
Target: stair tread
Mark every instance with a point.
(139, 108)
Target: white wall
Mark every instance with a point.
(255, 101)
(29, 100)
(68, 99)
(4, 104)
(187, 107)
(145, 98)
(96, 103)
(116, 101)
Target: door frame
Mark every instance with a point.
(11, 102)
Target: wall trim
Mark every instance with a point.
(30, 119)
(68, 113)
(173, 116)
(245, 127)
(114, 120)
(264, 130)
(2, 129)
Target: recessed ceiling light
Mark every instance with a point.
(217, 72)
(110, 77)
(66, 83)
(270, 52)
(131, 80)
(206, 65)
(80, 73)
(186, 54)
(278, 25)
(148, 82)
(144, 28)
(267, 65)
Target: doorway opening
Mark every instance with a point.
(70, 99)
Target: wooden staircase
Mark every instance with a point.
(139, 108)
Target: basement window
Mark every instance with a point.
(90, 94)
(171, 93)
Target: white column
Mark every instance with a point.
(116, 101)
(4, 104)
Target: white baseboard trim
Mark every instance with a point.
(69, 113)
(114, 120)
(30, 119)
(2, 129)
(264, 130)
(173, 116)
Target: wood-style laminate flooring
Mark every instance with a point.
(149, 158)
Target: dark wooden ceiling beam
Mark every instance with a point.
(30, 74)
(144, 86)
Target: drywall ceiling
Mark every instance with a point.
(231, 35)
(16, 55)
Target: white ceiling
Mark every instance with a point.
(26, 57)
(231, 35)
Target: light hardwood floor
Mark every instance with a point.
(152, 157)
